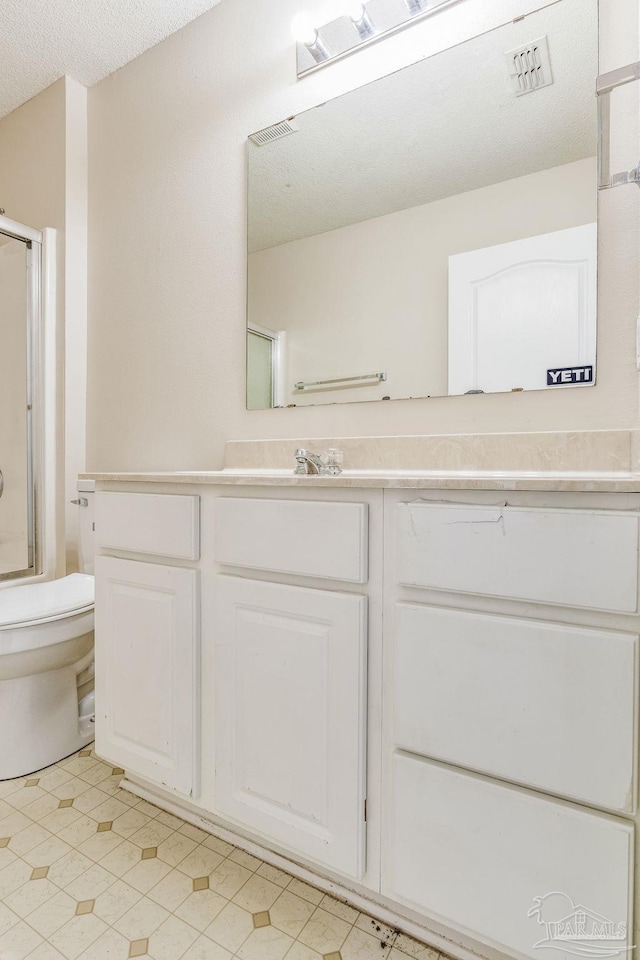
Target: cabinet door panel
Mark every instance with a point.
(499, 862)
(146, 662)
(545, 704)
(290, 716)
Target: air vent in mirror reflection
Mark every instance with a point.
(275, 132)
(530, 67)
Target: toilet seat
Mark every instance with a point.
(30, 604)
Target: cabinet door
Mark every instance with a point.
(525, 874)
(290, 713)
(146, 662)
(548, 705)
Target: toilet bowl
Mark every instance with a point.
(46, 646)
(46, 661)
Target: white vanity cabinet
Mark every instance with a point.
(427, 698)
(147, 638)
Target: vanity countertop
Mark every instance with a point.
(577, 482)
(560, 461)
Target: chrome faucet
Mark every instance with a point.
(307, 463)
(310, 464)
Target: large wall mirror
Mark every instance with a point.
(433, 233)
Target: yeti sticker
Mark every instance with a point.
(566, 376)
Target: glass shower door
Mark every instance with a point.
(16, 499)
(259, 371)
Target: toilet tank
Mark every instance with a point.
(86, 517)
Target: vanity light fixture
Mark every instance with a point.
(362, 22)
(305, 34)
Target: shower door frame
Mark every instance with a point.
(41, 401)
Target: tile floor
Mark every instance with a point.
(89, 871)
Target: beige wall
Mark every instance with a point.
(75, 316)
(374, 295)
(43, 164)
(168, 259)
(32, 158)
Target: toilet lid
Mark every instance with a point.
(47, 600)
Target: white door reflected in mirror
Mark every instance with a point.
(519, 309)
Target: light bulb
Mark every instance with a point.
(303, 30)
(361, 20)
(415, 6)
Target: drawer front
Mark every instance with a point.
(157, 524)
(305, 537)
(499, 863)
(578, 558)
(547, 705)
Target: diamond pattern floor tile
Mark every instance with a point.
(88, 871)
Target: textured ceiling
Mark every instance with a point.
(84, 39)
(441, 127)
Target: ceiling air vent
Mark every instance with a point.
(276, 132)
(530, 67)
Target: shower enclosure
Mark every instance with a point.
(21, 449)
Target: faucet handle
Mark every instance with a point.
(332, 460)
(333, 457)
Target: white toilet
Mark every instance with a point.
(46, 663)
